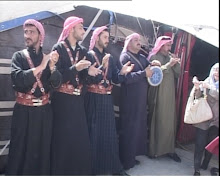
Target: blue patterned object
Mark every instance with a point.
(157, 76)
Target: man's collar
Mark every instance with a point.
(97, 50)
(133, 53)
(161, 54)
(33, 50)
(68, 43)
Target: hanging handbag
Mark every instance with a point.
(197, 109)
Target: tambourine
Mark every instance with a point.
(156, 77)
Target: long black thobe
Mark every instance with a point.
(101, 122)
(31, 127)
(70, 143)
(133, 111)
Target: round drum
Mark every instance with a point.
(157, 76)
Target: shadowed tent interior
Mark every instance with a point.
(202, 56)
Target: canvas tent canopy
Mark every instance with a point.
(198, 17)
(123, 18)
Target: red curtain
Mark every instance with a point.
(184, 45)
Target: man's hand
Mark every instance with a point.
(42, 66)
(93, 71)
(45, 61)
(105, 60)
(82, 64)
(174, 60)
(126, 68)
(148, 71)
(156, 63)
(54, 57)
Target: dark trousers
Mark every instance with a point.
(203, 138)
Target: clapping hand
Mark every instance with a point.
(46, 58)
(105, 60)
(127, 68)
(82, 64)
(54, 56)
(93, 71)
(42, 66)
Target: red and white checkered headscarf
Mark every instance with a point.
(128, 39)
(69, 23)
(95, 34)
(39, 26)
(162, 40)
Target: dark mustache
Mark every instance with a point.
(28, 39)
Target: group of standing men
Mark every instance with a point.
(75, 134)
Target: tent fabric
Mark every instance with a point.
(185, 131)
(200, 21)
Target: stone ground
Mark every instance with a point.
(166, 166)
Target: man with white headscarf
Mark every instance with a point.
(99, 106)
(208, 130)
(133, 103)
(162, 104)
(70, 142)
(31, 127)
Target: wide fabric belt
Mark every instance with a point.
(30, 100)
(99, 89)
(70, 89)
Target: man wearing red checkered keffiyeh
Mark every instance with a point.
(99, 106)
(161, 99)
(32, 76)
(70, 143)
